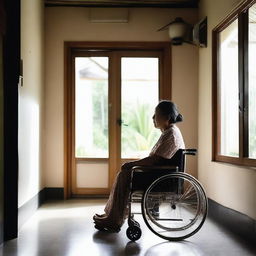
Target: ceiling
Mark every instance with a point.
(125, 3)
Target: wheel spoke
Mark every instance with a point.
(188, 192)
(171, 215)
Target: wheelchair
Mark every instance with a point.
(173, 204)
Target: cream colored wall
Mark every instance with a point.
(229, 185)
(31, 105)
(72, 24)
(185, 94)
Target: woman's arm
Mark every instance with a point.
(147, 161)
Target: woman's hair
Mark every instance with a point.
(169, 110)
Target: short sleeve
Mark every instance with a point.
(168, 144)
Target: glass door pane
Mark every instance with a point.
(252, 81)
(228, 78)
(91, 107)
(139, 96)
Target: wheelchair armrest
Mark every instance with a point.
(190, 151)
(153, 168)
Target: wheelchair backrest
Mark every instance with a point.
(178, 159)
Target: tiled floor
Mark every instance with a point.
(65, 228)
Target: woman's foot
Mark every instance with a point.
(99, 216)
(104, 224)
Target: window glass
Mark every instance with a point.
(140, 83)
(229, 88)
(91, 120)
(252, 82)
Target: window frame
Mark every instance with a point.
(240, 13)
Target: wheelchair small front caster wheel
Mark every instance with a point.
(133, 233)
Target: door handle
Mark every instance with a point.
(121, 122)
(242, 109)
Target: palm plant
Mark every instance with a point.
(140, 134)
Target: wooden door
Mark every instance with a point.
(111, 99)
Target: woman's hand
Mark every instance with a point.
(127, 166)
(147, 161)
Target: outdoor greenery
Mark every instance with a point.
(100, 115)
(140, 134)
(99, 122)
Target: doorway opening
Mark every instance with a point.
(111, 90)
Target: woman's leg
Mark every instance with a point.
(116, 207)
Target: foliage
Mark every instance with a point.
(137, 138)
(140, 134)
(100, 115)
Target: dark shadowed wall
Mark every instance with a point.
(1, 142)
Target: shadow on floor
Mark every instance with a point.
(109, 240)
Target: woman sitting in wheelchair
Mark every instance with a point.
(170, 141)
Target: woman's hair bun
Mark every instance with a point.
(179, 118)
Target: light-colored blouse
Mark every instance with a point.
(169, 143)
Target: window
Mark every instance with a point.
(252, 82)
(138, 134)
(91, 107)
(234, 87)
(228, 79)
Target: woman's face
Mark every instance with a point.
(160, 121)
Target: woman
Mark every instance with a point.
(165, 117)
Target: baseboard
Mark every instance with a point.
(54, 193)
(30, 207)
(236, 222)
(1, 233)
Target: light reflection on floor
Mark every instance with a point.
(65, 228)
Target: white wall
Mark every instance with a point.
(72, 24)
(229, 185)
(31, 105)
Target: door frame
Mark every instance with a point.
(69, 48)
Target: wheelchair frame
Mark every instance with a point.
(144, 184)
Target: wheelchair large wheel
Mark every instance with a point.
(174, 207)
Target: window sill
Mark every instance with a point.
(239, 162)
